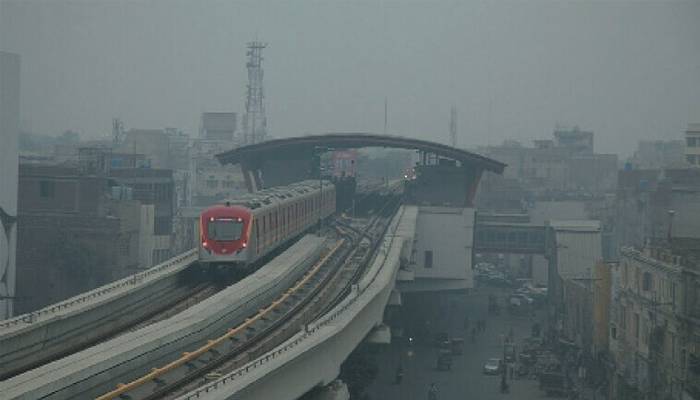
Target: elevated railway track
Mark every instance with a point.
(254, 333)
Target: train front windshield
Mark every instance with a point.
(224, 229)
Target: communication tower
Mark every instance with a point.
(254, 120)
(453, 126)
(117, 131)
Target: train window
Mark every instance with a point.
(224, 229)
(257, 236)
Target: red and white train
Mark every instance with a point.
(246, 229)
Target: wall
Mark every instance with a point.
(579, 248)
(447, 232)
(146, 236)
(73, 238)
(9, 128)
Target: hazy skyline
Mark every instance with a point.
(628, 70)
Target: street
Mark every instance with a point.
(465, 380)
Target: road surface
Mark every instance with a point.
(465, 381)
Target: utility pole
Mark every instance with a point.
(453, 126)
(386, 114)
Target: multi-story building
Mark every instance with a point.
(692, 144)
(658, 154)
(75, 232)
(655, 329)
(153, 143)
(650, 202)
(574, 139)
(9, 131)
(562, 167)
(218, 126)
(153, 187)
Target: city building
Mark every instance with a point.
(574, 140)
(656, 322)
(575, 250)
(658, 154)
(218, 126)
(650, 202)
(692, 144)
(215, 182)
(564, 167)
(153, 187)
(438, 266)
(76, 231)
(9, 131)
(153, 143)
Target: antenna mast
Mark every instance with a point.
(453, 126)
(117, 131)
(254, 120)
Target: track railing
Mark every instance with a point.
(89, 297)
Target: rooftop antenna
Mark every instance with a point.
(453, 126)
(254, 120)
(117, 131)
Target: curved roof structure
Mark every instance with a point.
(357, 140)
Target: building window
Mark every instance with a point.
(428, 259)
(212, 184)
(613, 332)
(162, 226)
(691, 141)
(690, 158)
(646, 281)
(673, 294)
(46, 189)
(623, 317)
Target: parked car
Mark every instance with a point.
(493, 366)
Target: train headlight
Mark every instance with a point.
(205, 244)
(245, 245)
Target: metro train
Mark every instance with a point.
(243, 230)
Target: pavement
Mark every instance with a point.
(465, 380)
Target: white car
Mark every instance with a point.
(493, 366)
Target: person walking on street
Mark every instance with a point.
(399, 375)
(433, 391)
(504, 384)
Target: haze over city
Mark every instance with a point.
(350, 200)
(626, 70)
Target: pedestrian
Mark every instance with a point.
(433, 391)
(511, 370)
(504, 384)
(399, 375)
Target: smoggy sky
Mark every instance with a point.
(628, 70)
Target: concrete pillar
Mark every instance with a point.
(472, 184)
(249, 177)
(9, 131)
